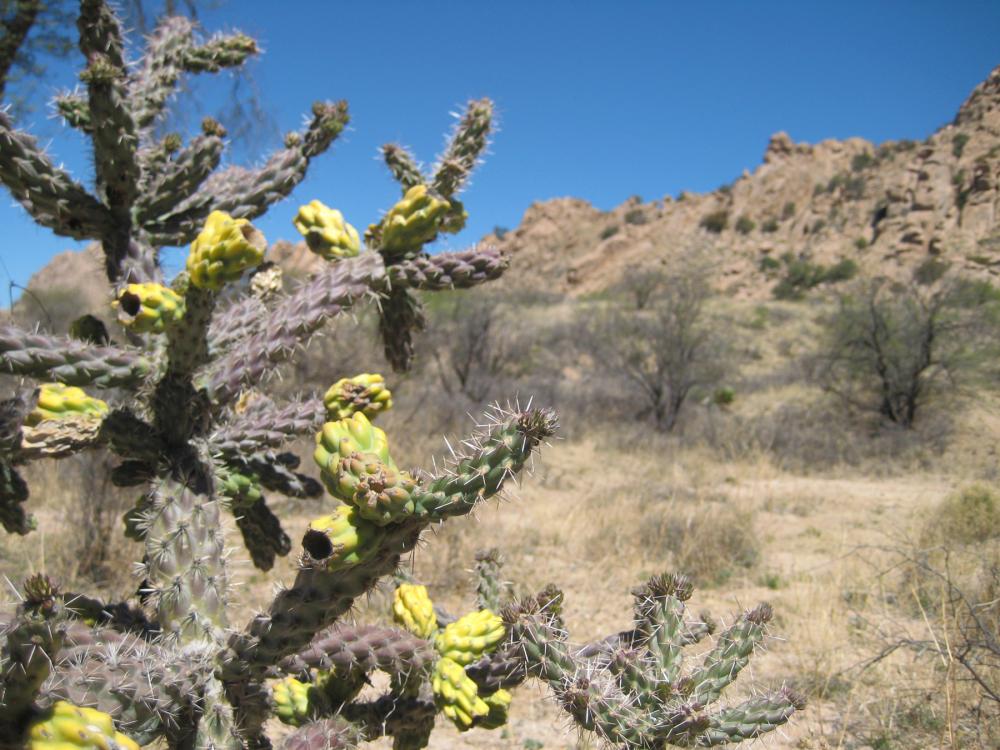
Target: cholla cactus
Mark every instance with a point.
(179, 403)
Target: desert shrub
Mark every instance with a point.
(641, 285)
(862, 161)
(635, 216)
(800, 276)
(788, 210)
(609, 231)
(854, 187)
(769, 226)
(842, 270)
(958, 144)
(860, 243)
(930, 271)
(500, 232)
(723, 396)
(745, 225)
(969, 516)
(818, 226)
(715, 222)
(767, 263)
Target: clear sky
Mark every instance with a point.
(598, 100)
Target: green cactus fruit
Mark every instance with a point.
(469, 637)
(148, 308)
(69, 727)
(340, 439)
(294, 701)
(326, 232)
(381, 493)
(365, 393)
(414, 221)
(58, 401)
(225, 249)
(499, 705)
(456, 694)
(342, 539)
(413, 609)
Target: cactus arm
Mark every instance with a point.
(48, 193)
(185, 567)
(14, 32)
(751, 719)
(74, 110)
(268, 427)
(363, 648)
(401, 316)
(153, 83)
(247, 193)
(275, 472)
(181, 176)
(66, 360)
(391, 715)
(459, 270)
(500, 452)
(462, 153)
(13, 493)
(221, 51)
(113, 130)
(234, 323)
(730, 655)
(31, 642)
(293, 320)
(326, 734)
(490, 588)
(59, 438)
(659, 615)
(217, 726)
(402, 165)
(262, 533)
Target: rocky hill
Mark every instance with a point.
(897, 209)
(900, 209)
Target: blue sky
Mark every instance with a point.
(598, 100)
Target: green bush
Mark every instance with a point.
(969, 516)
(930, 271)
(716, 221)
(803, 275)
(862, 161)
(843, 270)
(788, 210)
(500, 232)
(723, 396)
(767, 263)
(636, 216)
(958, 144)
(861, 243)
(745, 225)
(770, 226)
(609, 231)
(854, 187)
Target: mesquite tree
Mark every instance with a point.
(187, 417)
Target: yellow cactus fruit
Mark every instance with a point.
(413, 609)
(365, 393)
(499, 704)
(355, 434)
(469, 637)
(413, 221)
(342, 539)
(326, 232)
(69, 727)
(293, 701)
(58, 401)
(456, 694)
(148, 308)
(225, 249)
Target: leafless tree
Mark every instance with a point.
(667, 351)
(889, 349)
(470, 347)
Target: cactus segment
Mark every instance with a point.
(456, 695)
(470, 637)
(148, 308)
(58, 401)
(66, 726)
(225, 248)
(365, 393)
(326, 232)
(499, 705)
(413, 609)
(341, 539)
(413, 222)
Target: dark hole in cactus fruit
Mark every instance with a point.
(130, 303)
(317, 545)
